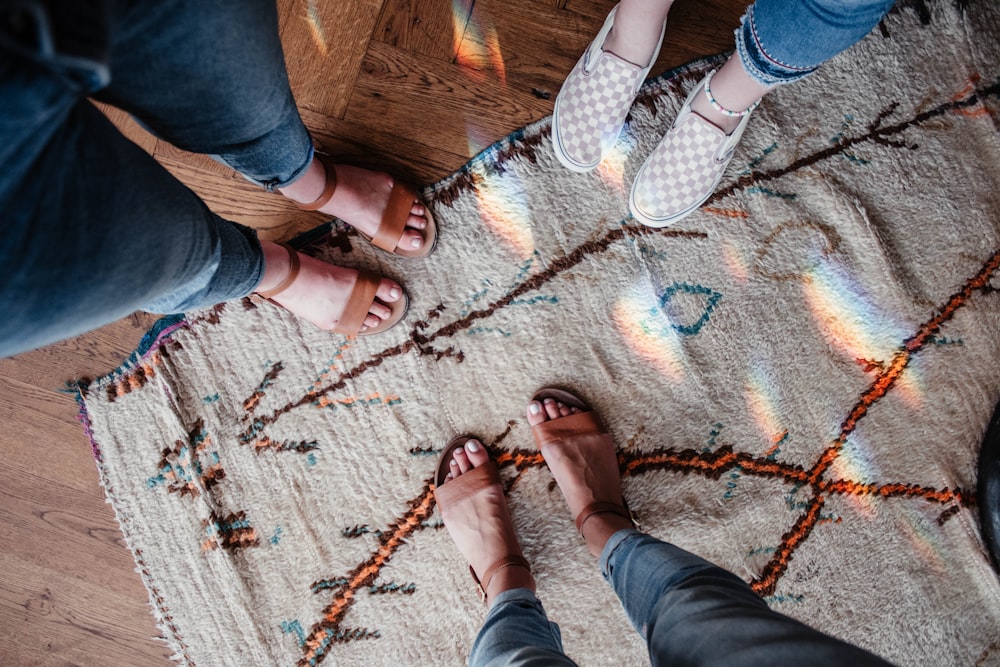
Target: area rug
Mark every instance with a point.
(798, 377)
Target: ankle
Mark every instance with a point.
(309, 186)
(599, 528)
(509, 578)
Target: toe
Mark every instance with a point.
(389, 291)
(476, 453)
(417, 219)
(411, 240)
(551, 408)
(536, 413)
(462, 459)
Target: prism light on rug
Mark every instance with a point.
(797, 376)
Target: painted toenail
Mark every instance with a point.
(472, 446)
(394, 292)
(534, 408)
(415, 243)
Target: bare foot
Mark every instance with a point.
(479, 523)
(586, 469)
(319, 293)
(359, 200)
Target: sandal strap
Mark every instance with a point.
(293, 272)
(397, 212)
(466, 485)
(358, 303)
(575, 425)
(601, 508)
(328, 190)
(510, 560)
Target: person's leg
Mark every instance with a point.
(593, 102)
(778, 42)
(689, 611)
(94, 228)
(209, 77)
(988, 487)
(692, 612)
(474, 510)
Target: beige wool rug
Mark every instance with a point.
(798, 377)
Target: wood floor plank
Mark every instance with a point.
(428, 28)
(405, 157)
(42, 615)
(324, 43)
(458, 109)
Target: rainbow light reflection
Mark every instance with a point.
(503, 209)
(848, 318)
(611, 169)
(476, 47)
(855, 463)
(315, 24)
(648, 332)
(759, 394)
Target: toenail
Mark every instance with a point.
(454, 462)
(534, 408)
(549, 401)
(394, 292)
(415, 243)
(472, 446)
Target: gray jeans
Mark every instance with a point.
(689, 611)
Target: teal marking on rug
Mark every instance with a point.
(767, 551)
(276, 537)
(295, 628)
(756, 189)
(778, 599)
(382, 589)
(754, 163)
(328, 584)
(734, 477)
(214, 398)
(712, 299)
(713, 438)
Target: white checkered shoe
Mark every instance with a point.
(593, 102)
(684, 169)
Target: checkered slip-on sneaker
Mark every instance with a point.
(684, 169)
(593, 102)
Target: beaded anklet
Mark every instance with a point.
(721, 109)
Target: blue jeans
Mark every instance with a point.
(93, 227)
(780, 41)
(689, 611)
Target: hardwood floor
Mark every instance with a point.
(416, 87)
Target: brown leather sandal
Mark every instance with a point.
(393, 223)
(462, 487)
(360, 299)
(585, 423)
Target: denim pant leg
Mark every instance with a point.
(517, 633)
(780, 41)
(98, 229)
(209, 77)
(692, 612)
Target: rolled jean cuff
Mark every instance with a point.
(265, 161)
(232, 270)
(615, 541)
(761, 67)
